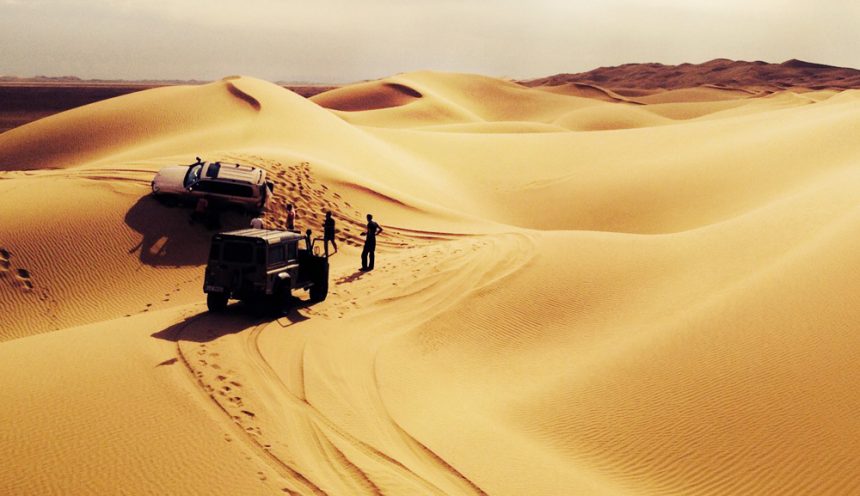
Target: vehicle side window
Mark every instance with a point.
(243, 191)
(227, 189)
(276, 254)
(204, 186)
(291, 251)
(261, 254)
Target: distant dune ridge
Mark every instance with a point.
(723, 72)
(584, 287)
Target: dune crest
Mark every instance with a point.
(249, 99)
(367, 96)
(100, 129)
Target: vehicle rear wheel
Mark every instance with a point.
(216, 302)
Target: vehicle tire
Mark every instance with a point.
(216, 302)
(319, 291)
(283, 297)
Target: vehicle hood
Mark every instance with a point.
(169, 179)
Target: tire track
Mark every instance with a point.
(261, 451)
(305, 408)
(273, 406)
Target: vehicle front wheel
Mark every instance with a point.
(216, 302)
(319, 291)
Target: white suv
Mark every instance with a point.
(232, 183)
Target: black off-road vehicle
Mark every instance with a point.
(260, 265)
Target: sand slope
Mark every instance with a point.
(578, 292)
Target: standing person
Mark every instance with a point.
(328, 232)
(201, 209)
(213, 214)
(309, 241)
(369, 243)
(291, 218)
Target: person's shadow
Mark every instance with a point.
(358, 274)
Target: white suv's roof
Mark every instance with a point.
(232, 172)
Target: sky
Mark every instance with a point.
(340, 41)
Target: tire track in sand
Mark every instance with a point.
(190, 356)
(274, 421)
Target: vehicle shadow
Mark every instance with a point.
(208, 326)
(168, 237)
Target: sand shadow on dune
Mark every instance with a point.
(245, 97)
(208, 326)
(168, 238)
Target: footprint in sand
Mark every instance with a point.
(24, 278)
(5, 256)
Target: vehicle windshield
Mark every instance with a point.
(193, 175)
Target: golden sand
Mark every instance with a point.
(577, 292)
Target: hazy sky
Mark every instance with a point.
(344, 41)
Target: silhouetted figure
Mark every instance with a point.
(369, 244)
(208, 212)
(328, 232)
(201, 210)
(309, 242)
(213, 214)
(291, 218)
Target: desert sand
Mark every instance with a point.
(580, 290)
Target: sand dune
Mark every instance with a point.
(588, 91)
(368, 96)
(579, 291)
(449, 99)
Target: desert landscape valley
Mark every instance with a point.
(641, 280)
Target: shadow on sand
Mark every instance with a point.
(168, 237)
(208, 326)
(351, 277)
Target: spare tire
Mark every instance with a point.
(283, 296)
